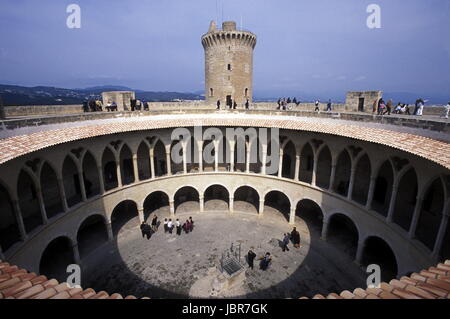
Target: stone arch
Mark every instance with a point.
(9, 229)
(342, 175)
(28, 201)
(184, 199)
(176, 167)
(289, 157)
(377, 251)
(279, 202)
(405, 202)
(126, 165)
(50, 190)
(216, 197)
(143, 161)
(91, 234)
(159, 158)
(361, 184)
(383, 188)
(156, 201)
(312, 215)
(90, 175)
(245, 195)
(324, 162)
(124, 216)
(109, 166)
(72, 183)
(430, 216)
(255, 155)
(343, 233)
(55, 258)
(306, 164)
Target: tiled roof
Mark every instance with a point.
(430, 149)
(433, 283)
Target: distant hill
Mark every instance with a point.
(45, 95)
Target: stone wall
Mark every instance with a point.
(32, 110)
(367, 98)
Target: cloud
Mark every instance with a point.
(360, 78)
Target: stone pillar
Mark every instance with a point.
(314, 173)
(247, 159)
(264, 159)
(152, 162)
(442, 230)
(135, 168)
(184, 158)
(168, 160)
(76, 254)
(332, 175)
(415, 217)
(324, 233)
(292, 216)
(109, 231)
(101, 180)
(141, 214)
(351, 184)
(392, 202)
(231, 204)
(202, 203)
(373, 181)
(62, 193)
(232, 156)
(19, 219)
(261, 207)
(82, 186)
(119, 175)
(216, 156)
(172, 208)
(280, 164)
(297, 167)
(200, 156)
(42, 206)
(359, 252)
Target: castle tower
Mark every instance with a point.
(228, 64)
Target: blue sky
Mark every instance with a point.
(304, 46)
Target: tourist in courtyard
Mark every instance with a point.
(247, 105)
(218, 104)
(148, 231)
(186, 226)
(420, 106)
(250, 258)
(234, 105)
(285, 242)
(329, 106)
(381, 107)
(170, 226)
(388, 107)
(178, 225)
(295, 237)
(143, 228)
(166, 228)
(155, 223)
(265, 261)
(317, 106)
(191, 224)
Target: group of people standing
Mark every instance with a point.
(148, 230)
(383, 108)
(232, 105)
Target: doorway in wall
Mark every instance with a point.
(229, 101)
(361, 104)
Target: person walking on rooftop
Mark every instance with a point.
(329, 105)
(218, 104)
(388, 107)
(250, 258)
(317, 106)
(446, 111)
(420, 107)
(247, 105)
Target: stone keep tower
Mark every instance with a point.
(228, 64)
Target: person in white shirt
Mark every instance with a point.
(178, 225)
(166, 228)
(170, 226)
(446, 111)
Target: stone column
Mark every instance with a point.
(201, 200)
(297, 167)
(152, 162)
(101, 180)
(82, 186)
(359, 252)
(141, 214)
(216, 156)
(172, 208)
(314, 173)
(415, 218)
(76, 254)
(392, 202)
(135, 168)
(332, 176)
(280, 164)
(42, 206)
(168, 160)
(184, 158)
(19, 219)
(264, 159)
(247, 159)
(442, 230)
(351, 184)
(109, 231)
(232, 156)
(231, 204)
(119, 175)
(62, 193)
(324, 233)
(261, 207)
(200, 156)
(292, 216)
(373, 181)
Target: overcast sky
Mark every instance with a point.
(309, 46)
